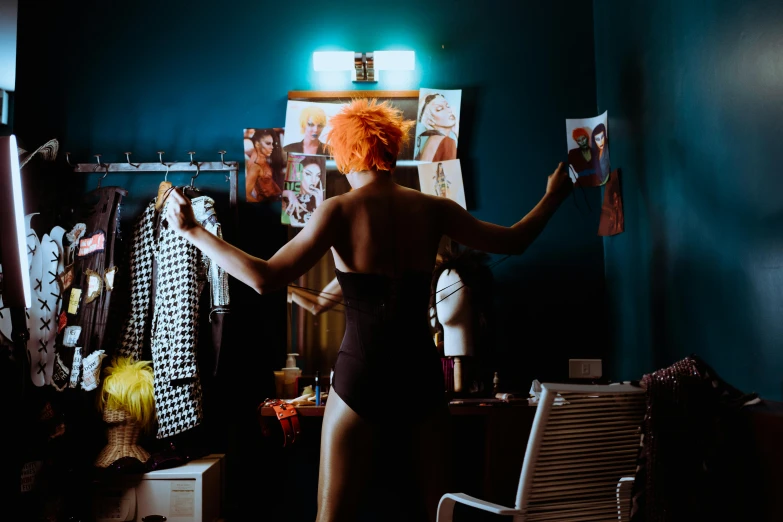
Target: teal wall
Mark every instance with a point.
(144, 76)
(179, 76)
(695, 89)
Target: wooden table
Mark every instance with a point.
(489, 446)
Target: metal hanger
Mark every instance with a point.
(191, 189)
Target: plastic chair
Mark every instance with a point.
(580, 459)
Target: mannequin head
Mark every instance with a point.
(461, 294)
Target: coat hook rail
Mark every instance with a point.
(226, 167)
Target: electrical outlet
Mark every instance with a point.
(585, 368)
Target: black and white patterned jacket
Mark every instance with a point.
(168, 275)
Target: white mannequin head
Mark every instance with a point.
(461, 296)
(452, 298)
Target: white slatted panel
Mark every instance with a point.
(590, 442)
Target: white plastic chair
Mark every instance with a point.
(580, 458)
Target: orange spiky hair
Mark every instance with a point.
(367, 135)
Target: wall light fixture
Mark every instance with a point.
(364, 67)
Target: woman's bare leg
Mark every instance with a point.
(346, 452)
(432, 459)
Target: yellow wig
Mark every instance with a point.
(128, 386)
(312, 113)
(367, 135)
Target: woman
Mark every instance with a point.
(436, 144)
(384, 239)
(600, 154)
(260, 183)
(301, 205)
(441, 183)
(312, 121)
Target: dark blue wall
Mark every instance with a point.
(695, 97)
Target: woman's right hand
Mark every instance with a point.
(559, 183)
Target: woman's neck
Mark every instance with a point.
(362, 178)
(443, 130)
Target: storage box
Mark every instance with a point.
(190, 493)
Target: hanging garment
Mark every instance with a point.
(95, 255)
(689, 463)
(168, 275)
(44, 261)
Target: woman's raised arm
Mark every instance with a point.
(463, 228)
(294, 259)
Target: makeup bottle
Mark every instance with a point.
(317, 388)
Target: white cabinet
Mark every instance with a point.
(189, 493)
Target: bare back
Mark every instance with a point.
(387, 229)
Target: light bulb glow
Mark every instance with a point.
(333, 61)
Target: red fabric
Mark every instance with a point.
(612, 219)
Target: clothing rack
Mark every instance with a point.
(229, 168)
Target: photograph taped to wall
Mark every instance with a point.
(264, 164)
(443, 179)
(588, 150)
(437, 125)
(612, 221)
(307, 126)
(303, 189)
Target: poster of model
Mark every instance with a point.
(303, 189)
(437, 125)
(443, 179)
(307, 126)
(264, 164)
(588, 150)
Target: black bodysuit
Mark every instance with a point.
(387, 351)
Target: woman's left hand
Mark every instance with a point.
(179, 213)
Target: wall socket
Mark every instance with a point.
(585, 369)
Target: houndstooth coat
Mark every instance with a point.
(168, 275)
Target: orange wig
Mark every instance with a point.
(367, 135)
(580, 131)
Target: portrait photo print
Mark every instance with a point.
(303, 189)
(307, 126)
(588, 150)
(437, 125)
(264, 164)
(443, 179)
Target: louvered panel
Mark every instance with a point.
(576, 486)
(590, 441)
(582, 493)
(550, 471)
(602, 449)
(608, 418)
(588, 431)
(578, 468)
(594, 445)
(576, 439)
(611, 457)
(550, 478)
(579, 511)
(618, 422)
(574, 408)
(593, 415)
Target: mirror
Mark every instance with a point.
(316, 319)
